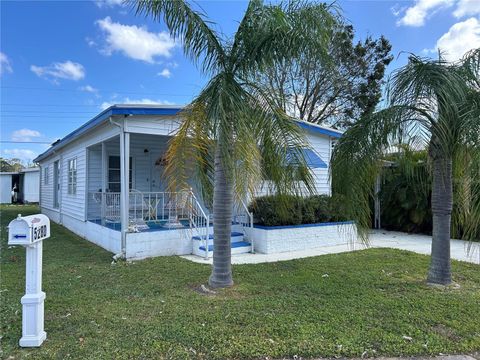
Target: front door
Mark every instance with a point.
(157, 174)
(56, 184)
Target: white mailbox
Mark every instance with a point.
(27, 230)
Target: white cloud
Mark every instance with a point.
(5, 66)
(90, 42)
(25, 135)
(460, 38)
(67, 70)
(22, 154)
(109, 3)
(467, 8)
(421, 10)
(135, 42)
(165, 73)
(127, 100)
(90, 89)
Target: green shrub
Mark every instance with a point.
(276, 210)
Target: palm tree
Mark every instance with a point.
(436, 105)
(232, 130)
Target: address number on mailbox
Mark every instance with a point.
(39, 232)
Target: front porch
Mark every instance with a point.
(135, 207)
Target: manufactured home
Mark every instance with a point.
(105, 182)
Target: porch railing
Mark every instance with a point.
(242, 216)
(176, 208)
(147, 206)
(199, 221)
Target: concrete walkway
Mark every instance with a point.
(421, 244)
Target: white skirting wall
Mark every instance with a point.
(277, 239)
(267, 240)
(104, 237)
(142, 245)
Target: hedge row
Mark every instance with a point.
(276, 210)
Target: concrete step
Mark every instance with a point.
(238, 245)
(235, 237)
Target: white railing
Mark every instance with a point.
(104, 207)
(242, 216)
(146, 206)
(199, 221)
(152, 206)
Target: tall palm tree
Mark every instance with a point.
(232, 130)
(436, 105)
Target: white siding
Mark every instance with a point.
(321, 145)
(147, 175)
(94, 170)
(5, 188)
(73, 205)
(154, 125)
(31, 186)
(46, 190)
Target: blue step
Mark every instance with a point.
(233, 245)
(233, 234)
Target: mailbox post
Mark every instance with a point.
(30, 231)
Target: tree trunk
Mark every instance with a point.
(442, 204)
(222, 221)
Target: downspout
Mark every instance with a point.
(123, 198)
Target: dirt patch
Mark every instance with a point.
(203, 290)
(446, 332)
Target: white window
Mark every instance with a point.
(45, 175)
(72, 176)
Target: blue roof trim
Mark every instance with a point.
(145, 111)
(319, 130)
(303, 225)
(104, 115)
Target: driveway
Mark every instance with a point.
(460, 250)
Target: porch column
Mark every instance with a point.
(104, 182)
(124, 189)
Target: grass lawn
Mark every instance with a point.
(367, 304)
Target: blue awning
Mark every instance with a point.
(312, 159)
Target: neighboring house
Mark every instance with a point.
(24, 184)
(104, 181)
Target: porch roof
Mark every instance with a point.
(103, 117)
(127, 109)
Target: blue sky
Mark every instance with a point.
(62, 62)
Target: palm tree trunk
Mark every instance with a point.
(222, 221)
(442, 204)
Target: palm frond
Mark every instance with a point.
(272, 33)
(200, 43)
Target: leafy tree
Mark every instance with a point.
(437, 104)
(405, 191)
(232, 130)
(336, 89)
(11, 165)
